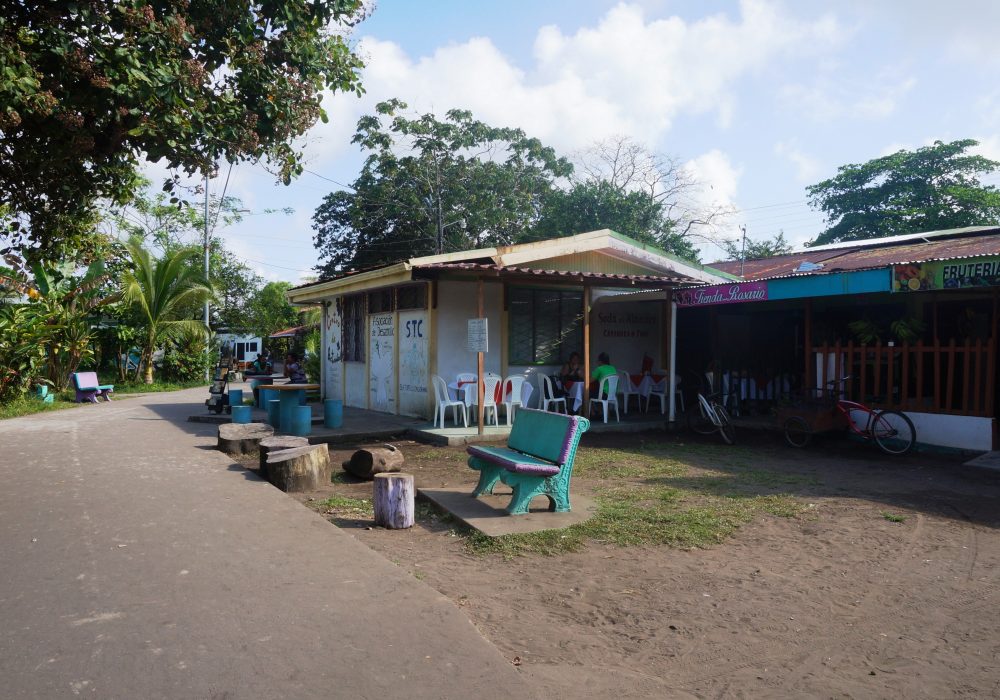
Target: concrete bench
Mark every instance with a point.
(538, 459)
(88, 388)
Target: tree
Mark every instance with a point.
(159, 289)
(589, 206)
(931, 188)
(430, 184)
(269, 310)
(87, 88)
(755, 250)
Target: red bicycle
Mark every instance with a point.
(892, 431)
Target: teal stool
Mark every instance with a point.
(273, 412)
(235, 397)
(333, 413)
(301, 421)
(241, 414)
(265, 396)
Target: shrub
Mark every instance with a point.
(185, 359)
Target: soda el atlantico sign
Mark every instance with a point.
(735, 293)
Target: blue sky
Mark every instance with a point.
(759, 98)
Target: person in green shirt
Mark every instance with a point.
(603, 369)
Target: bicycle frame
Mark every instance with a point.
(844, 407)
(708, 411)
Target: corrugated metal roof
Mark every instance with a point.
(866, 255)
(557, 274)
(291, 332)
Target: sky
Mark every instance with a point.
(759, 98)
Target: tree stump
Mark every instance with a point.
(393, 500)
(299, 468)
(242, 438)
(368, 462)
(274, 443)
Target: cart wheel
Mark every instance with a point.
(798, 432)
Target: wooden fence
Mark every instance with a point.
(932, 378)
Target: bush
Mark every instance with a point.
(312, 356)
(184, 360)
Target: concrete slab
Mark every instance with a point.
(488, 515)
(990, 460)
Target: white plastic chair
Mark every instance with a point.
(442, 403)
(515, 383)
(629, 389)
(548, 394)
(490, 384)
(609, 388)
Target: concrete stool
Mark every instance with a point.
(333, 413)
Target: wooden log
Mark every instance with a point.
(277, 442)
(368, 462)
(299, 468)
(393, 500)
(242, 438)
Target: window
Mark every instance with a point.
(354, 328)
(381, 301)
(252, 347)
(413, 296)
(546, 325)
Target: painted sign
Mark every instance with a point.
(950, 274)
(478, 336)
(735, 293)
(413, 365)
(333, 376)
(382, 363)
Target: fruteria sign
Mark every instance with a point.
(950, 274)
(736, 293)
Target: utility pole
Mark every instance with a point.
(208, 332)
(743, 251)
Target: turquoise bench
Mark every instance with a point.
(538, 459)
(88, 388)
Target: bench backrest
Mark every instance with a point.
(549, 436)
(85, 380)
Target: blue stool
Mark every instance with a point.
(333, 413)
(241, 414)
(265, 396)
(235, 397)
(273, 412)
(301, 421)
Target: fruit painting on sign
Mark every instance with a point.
(946, 274)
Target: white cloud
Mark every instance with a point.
(807, 168)
(832, 98)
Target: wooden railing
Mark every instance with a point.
(932, 378)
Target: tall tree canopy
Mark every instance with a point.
(755, 250)
(931, 188)
(475, 184)
(89, 88)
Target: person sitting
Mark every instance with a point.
(572, 371)
(293, 370)
(604, 369)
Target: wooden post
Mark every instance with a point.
(807, 348)
(586, 348)
(480, 364)
(950, 386)
(393, 500)
(672, 360)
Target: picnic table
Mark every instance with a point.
(291, 395)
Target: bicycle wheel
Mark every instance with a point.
(726, 429)
(893, 432)
(699, 423)
(798, 432)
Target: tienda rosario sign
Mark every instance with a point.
(735, 293)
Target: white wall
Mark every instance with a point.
(961, 432)
(456, 305)
(627, 331)
(356, 384)
(414, 334)
(332, 352)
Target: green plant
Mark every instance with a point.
(311, 362)
(185, 358)
(23, 336)
(894, 518)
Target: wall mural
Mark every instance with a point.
(381, 363)
(333, 372)
(413, 349)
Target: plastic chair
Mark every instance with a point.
(442, 403)
(490, 386)
(515, 383)
(609, 388)
(629, 389)
(548, 394)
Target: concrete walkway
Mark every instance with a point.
(137, 562)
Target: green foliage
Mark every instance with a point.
(23, 335)
(159, 290)
(755, 250)
(894, 518)
(268, 310)
(482, 185)
(931, 188)
(185, 359)
(85, 87)
(313, 356)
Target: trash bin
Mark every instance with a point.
(333, 413)
(241, 414)
(301, 420)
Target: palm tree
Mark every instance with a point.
(163, 292)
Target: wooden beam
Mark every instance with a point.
(586, 347)
(807, 346)
(480, 364)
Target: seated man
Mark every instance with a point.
(293, 370)
(604, 369)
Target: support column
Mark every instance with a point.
(807, 347)
(672, 360)
(480, 364)
(586, 347)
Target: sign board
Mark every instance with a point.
(478, 339)
(948, 274)
(735, 293)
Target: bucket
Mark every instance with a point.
(301, 420)
(241, 414)
(333, 413)
(273, 411)
(235, 397)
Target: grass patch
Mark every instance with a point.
(29, 405)
(894, 517)
(156, 386)
(344, 505)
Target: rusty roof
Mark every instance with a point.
(866, 255)
(563, 275)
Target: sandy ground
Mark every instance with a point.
(838, 602)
